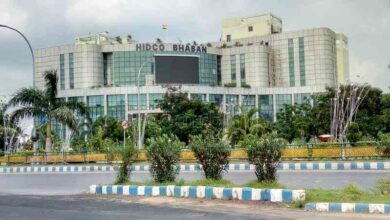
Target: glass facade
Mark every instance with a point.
(217, 99)
(154, 100)
(198, 96)
(132, 101)
(71, 71)
(126, 65)
(300, 98)
(77, 99)
(242, 69)
(219, 70)
(116, 106)
(233, 68)
(232, 104)
(249, 101)
(62, 71)
(96, 106)
(281, 100)
(302, 73)
(291, 62)
(266, 106)
(107, 68)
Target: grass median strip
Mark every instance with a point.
(210, 182)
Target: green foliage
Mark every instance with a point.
(211, 153)
(384, 143)
(245, 123)
(110, 127)
(265, 153)
(295, 122)
(126, 155)
(230, 85)
(354, 134)
(382, 187)
(163, 153)
(38, 103)
(187, 117)
(385, 112)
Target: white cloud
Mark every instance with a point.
(368, 71)
(12, 15)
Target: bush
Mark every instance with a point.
(163, 153)
(212, 154)
(265, 153)
(126, 155)
(384, 144)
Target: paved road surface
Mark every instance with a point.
(75, 183)
(83, 207)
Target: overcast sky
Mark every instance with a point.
(49, 23)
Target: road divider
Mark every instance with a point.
(202, 192)
(311, 166)
(349, 207)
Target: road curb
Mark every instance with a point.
(349, 207)
(311, 166)
(202, 192)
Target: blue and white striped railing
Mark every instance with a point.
(202, 192)
(196, 167)
(349, 207)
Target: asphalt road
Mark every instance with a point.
(75, 183)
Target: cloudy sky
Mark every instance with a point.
(53, 22)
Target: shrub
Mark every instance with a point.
(126, 155)
(212, 154)
(265, 153)
(384, 144)
(163, 153)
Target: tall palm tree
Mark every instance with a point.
(33, 102)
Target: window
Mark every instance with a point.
(116, 106)
(249, 101)
(96, 106)
(250, 28)
(242, 69)
(291, 62)
(132, 101)
(232, 105)
(216, 99)
(266, 106)
(228, 38)
(107, 68)
(198, 96)
(302, 61)
(154, 100)
(233, 68)
(71, 71)
(281, 101)
(62, 71)
(300, 98)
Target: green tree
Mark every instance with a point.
(354, 134)
(111, 128)
(187, 117)
(245, 123)
(45, 104)
(295, 121)
(385, 112)
(211, 153)
(163, 153)
(126, 156)
(264, 152)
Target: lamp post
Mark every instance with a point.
(138, 104)
(33, 60)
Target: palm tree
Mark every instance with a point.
(244, 123)
(33, 102)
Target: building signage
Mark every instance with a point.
(175, 47)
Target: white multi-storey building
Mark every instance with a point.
(254, 64)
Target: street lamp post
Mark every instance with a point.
(32, 56)
(138, 105)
